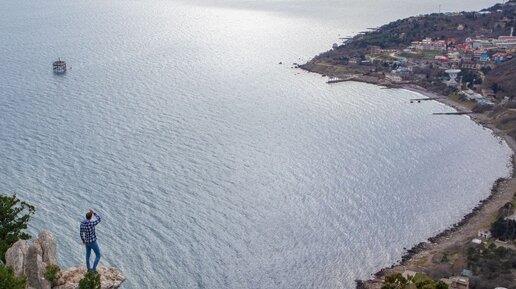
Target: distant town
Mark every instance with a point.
(479, 54)
(447, 53)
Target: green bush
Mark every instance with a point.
(504, 229)
(90, 281)
(52, 273)
(419, 281)
(9, 281)
(14, 216)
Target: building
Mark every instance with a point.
(484, 234)
(499, 57)
(454, 56)
(476, 241)
(505, 42)
(484, 57)
(393, 77)
(457, 282)
(428, 44)
(482, 44)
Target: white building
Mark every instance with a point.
(484, 234)
(428, 44)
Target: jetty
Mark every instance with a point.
(337, 80)
(453, 113)
(59, 66)
(424, 99)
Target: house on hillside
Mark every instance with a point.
(484, 57)
(457, 282)
(484, 234)
(428, 44)
(505, 42)
(481, 43)
(393, 77)
(499, 57)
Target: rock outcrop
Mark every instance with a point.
(48, 246)
(30, 259)
(35, 268)
(16, 255)
(110, 278)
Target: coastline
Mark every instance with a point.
(462, 232)
(418, 258)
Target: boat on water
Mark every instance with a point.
(59, 66)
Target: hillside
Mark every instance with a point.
(503, 77)
(491, 22)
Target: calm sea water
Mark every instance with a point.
(214, 166)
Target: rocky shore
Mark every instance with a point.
(418, 258)
(31, 259)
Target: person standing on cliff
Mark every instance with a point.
(89, 239)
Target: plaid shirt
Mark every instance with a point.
(88, 230)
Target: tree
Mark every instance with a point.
(504, 229)
(9, 281)
(485, 69)
(496, 87)
(14, 216)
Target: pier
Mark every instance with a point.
(453, 113)
(337, 80)
(424, 99)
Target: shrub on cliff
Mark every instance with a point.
(8, 280)
(90, 281)
(14, 216)
(419, 281)
(52, 274)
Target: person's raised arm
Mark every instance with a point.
(97, 218)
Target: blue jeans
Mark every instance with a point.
(96, 249)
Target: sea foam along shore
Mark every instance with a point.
(463, 231)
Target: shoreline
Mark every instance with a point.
(461, 232)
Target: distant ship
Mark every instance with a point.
(59, 66)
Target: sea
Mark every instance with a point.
(211, 164)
